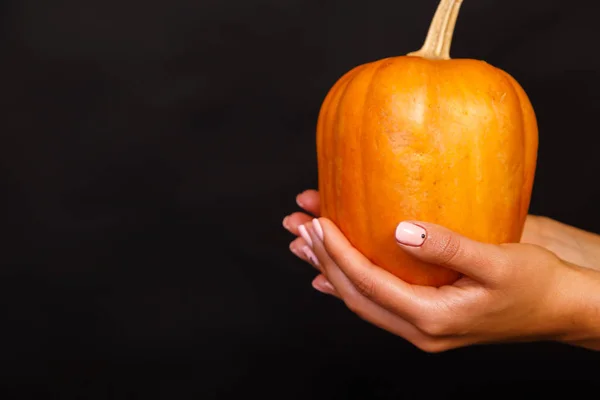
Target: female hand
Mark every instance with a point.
(513, 292)
(568, 243)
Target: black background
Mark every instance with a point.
(149, 151)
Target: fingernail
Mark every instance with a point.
(323, 286)
(286, 222)
(298, 201)
(318, 228)
(305, 235)
(311, 256)
(410, 234)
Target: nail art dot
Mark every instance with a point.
(422, 236)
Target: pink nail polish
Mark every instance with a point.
(410, 234)
(305, 235)
(318, 228)
(311, 256)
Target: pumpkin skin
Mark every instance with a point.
(447, 141)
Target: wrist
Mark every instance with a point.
(581, 295)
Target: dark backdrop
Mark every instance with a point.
(150, 149)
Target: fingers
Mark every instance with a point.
(293, 221)
(323, 285)
(377, 315)
(370, 282)
(365, 307)
(437, 245)
(301, 250)
(310, 201)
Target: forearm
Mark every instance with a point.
(583, 295)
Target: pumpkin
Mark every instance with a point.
(428, 138)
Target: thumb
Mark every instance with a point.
(440, 246)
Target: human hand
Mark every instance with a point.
(571, 244)
(568, 243)
(514, 292)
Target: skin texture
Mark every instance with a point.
(525, 291)
(410, 138)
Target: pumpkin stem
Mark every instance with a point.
(439, 38)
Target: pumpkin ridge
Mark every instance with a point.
(530, 145)
(366, 183)
(326, 138)
(363, 223)
(338, 142)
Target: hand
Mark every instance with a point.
(514, 292)
(568, 243)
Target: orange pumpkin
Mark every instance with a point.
(425, 137)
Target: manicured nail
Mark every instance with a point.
(410, 234)
(318, 228)
(299, 202)
(286, 221)
(323, 286)
(305, 235)
(311, 256)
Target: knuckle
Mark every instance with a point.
(514, 259)
(434, 328)
(450, 249)
(365, 286)
(504, 264)
(430, 324)
(442, 323)
(543, 255)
